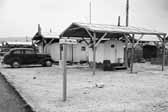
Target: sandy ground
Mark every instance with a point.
(145, 90)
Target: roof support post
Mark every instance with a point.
(163, 53)
(42, 45)
(160, 37)
(92, 36)
(85, 40)
(132, 54)
(101, 39)
(139, 40)
(126, 51)
(94, 54)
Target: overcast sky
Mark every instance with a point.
(21, 17)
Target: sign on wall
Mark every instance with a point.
(68, 41)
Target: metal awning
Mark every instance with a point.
(45, 35)
(80, 30)
(97, 32)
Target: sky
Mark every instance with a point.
(21, 17)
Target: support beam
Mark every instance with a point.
(89, 34)
(160, 38)
(85, 40)
(126, 51)
(94, 54)
(163, 54)
(50, 42)
(100, 39)
(132, 54)
(138, 40)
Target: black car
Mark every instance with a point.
(25, 56)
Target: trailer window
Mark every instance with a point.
(112, 46)
(83, 48)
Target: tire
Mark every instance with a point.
(48, 63)
(15, 64)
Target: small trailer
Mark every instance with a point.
(109, 52)
(48, 42)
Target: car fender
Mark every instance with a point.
(15, 59)
(43, 60)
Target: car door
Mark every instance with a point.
(17, 55)
(29, 56)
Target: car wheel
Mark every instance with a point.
(48, 63)
(15, 64)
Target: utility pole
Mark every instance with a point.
(39, 29)
(127, 13)
(90, 12)
(126, 38)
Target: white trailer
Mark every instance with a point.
(112, 50)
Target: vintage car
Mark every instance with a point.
(26, 56)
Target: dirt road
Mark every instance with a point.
(9, 99)
(144, 90)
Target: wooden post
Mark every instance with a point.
(64, 72)
(60, 45)
(126, 51)
(163, 53)
(132, 54)
(72, 54)
(94, 54)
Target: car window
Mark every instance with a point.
(29, 52)
(17, 52)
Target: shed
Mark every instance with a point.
(97, 32)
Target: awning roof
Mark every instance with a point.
(147, 38)
(50, 35)
(46, 35)
(80, 30)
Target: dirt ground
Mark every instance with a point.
(9, 99)
(145, 90)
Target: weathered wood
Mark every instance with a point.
(89, 34)
(138, 40)
(160, 38)
(64, 73)
(126, 51)
(94, 54)
(85, 40)
(100, 39)
(163, 60)
(132, 54)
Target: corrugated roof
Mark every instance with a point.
(79, 30)
(148, 38)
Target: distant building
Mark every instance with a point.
(6, 46)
